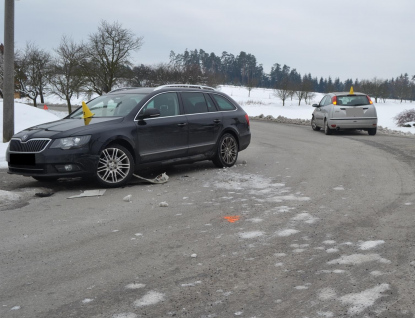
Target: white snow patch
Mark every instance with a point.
(8, 195)
(87, 300)
(339, 188)
(376, 273)
(370, 244)
(306, 217)
(327, 314)
(192, 284)
(287, 232)
(248, 235)
(135, 286)
(255, 220)
(332, 250)
(125, 315)
(356, 259)
(280, 254)
(329, 242)
(15, 308)
(301, 287)
(298, 250)
(151, 298)
(279, 264)
(327, 293)
(138, 234)
(361, 301)
(239, 313)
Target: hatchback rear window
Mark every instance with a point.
(352, 100)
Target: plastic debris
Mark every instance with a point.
(163, 204)
(127, 198)
(89, 193)
(161, 178)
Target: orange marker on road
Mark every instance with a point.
(232, 218)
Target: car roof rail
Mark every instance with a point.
(185, 86)
(121, 89)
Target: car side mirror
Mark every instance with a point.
(149, 113)
(316, 105)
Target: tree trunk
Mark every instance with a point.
(68, 101)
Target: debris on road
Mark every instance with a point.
(161, 178)
(163, 204)
(127, 198)
(89, 193)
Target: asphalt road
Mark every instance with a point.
(305, 225)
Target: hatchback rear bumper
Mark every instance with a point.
(354, 123)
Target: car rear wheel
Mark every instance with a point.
(115, 167)
(327, 130)
(313, 125)
(227, 151)
(371, 131)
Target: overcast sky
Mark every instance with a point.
(346, 39)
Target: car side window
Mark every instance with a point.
(322, 101)
(194, 103)
(223, 103)
(210, 103)
(167, 103)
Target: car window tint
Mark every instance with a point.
(194, 103)
(167, 103)
(111, 105)
(223, 103)
(211, 105)
(357, 100)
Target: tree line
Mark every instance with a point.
(104, 63)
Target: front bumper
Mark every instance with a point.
(53, 163)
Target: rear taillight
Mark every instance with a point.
(369, 100)
(247, 119)
(334, 100)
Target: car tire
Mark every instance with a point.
(314, 126)
(226, 152)
(327, 130)
(45, 179)
(371, 131)
(115, 166)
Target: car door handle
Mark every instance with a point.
(217, 121)
(342, 108)
(182, 124)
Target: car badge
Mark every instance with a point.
(24, 138)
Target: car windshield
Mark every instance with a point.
(352, 100)
(111, 105)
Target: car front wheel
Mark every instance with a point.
(227, 151)
(115, 167)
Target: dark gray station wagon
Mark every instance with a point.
(131, 129)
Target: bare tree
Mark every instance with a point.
(67, 78)
(284, 91)
(108, 56)
(33, 71)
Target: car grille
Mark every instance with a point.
(32, 145)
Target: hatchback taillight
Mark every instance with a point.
(369, 100)
(334, 100)
(247, 119)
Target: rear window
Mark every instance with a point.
(223, 103)
(352, 100)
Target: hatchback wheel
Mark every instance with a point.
(313, 125)
(371, 131)
(327, 130)
(115, 166)
(227, 151)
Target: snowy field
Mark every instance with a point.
(261, 101)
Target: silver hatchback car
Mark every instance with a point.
(345, 110)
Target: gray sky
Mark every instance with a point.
(347, 39)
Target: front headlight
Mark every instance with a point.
(71, 142)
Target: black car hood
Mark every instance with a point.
(68, 127)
